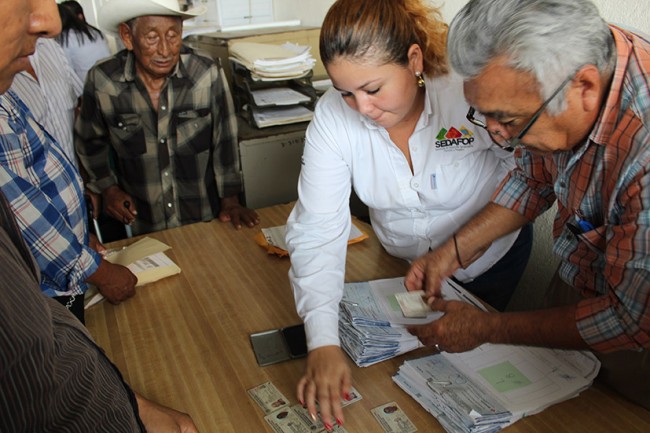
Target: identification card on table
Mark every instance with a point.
(268, 397)
(392, 419)
(287, 420)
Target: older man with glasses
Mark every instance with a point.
(571, 94)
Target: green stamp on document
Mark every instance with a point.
(504, 377)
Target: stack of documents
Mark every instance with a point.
(268, 62)
(492, 386)
(372, 326)
(264, 118)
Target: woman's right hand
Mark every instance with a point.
(327, 380)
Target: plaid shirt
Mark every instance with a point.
(605, 182)
(45, 192)
(175, 162)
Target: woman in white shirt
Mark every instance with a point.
(394, 128)
(82, 43)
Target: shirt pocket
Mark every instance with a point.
(193, 130)
(458, 181)
(127, 135)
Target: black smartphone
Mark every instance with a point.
(296, 340)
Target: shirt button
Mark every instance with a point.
(163, 108)
(562, 184)
(120, 124)
(169, 205)
(166, 173)
(162, 141)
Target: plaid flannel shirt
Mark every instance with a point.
(46, 195)
(605, 182)
(177, 161)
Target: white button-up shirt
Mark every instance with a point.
(456, 168)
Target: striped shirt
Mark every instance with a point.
(53, 377)
(603, 184)
(45, 193)
(53, 98)
(175, 162)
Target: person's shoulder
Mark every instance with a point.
(196, 58)
(109, 69)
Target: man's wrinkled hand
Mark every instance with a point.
(237, 214)
(115, 282)
(461, 328)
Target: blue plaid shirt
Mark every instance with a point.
(45, 193)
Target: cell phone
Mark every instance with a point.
(278, 345)
(296, 340)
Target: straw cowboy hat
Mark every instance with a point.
(115, 12)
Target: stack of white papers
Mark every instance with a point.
(277, 96)
(372, 326)
(268, 62)
(492, 386)
(281, 115)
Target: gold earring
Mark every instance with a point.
(420, 79)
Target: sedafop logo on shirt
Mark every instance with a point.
(454, 139)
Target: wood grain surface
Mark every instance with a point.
(184, 341)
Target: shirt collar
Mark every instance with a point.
(608, 117)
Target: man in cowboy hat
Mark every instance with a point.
(166, 114)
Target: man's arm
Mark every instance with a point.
(92, 142)
(464, 327)
(226, 156)
(463, 248)
(161, 419)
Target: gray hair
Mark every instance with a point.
(552, 39)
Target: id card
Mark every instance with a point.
(412, 304)
(268, 397)
(392, 419)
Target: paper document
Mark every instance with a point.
(493, 386)
(272, 238)
(278, 96)
(372, 326)
(265, 117)
(270, 61)
(145, 258)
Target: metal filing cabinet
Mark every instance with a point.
(270, 163)
(270, 157)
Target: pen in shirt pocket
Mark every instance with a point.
(582, 225)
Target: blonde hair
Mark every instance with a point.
(382, 31)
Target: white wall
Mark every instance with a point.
(632, 13)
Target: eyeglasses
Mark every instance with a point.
(496, 136)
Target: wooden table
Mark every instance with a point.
(184, 341)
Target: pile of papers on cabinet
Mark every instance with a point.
(273, 83)
(269, 62)
(492, 386)
(372, 327)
